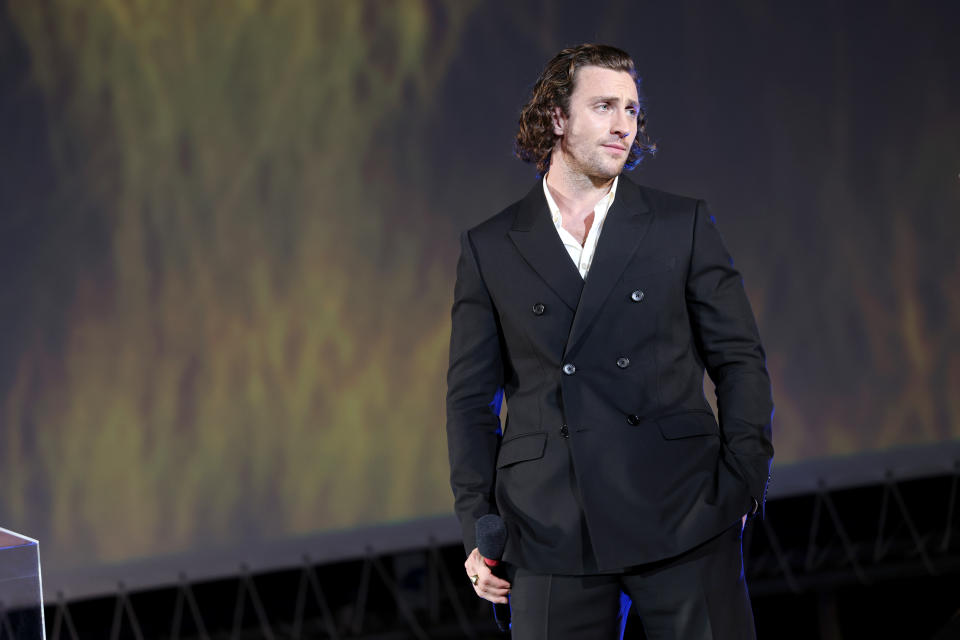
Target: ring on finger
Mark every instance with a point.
(475, 578)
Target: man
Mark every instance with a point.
(594, 305)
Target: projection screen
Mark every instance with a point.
(228, 234)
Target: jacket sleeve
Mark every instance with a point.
(728, 342)
(474, 383)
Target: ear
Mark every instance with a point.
(559, 121)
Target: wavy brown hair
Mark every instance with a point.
(535, 138)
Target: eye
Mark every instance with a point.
(603, 106)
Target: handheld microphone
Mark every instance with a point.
(491, 541)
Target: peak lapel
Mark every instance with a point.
(626, 224)
(539, 243)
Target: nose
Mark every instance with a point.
(622, 124)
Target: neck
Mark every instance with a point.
(576, 193)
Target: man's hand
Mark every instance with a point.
(488, 586)
(743, 520)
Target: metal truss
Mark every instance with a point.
(860, 536)
(410, 595)
(816, 542)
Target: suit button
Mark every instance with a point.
(564, 431)
(569, 369)
(633, 420)
(623, 363)
(637, 295)
(538, 309)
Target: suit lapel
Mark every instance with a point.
(626, 224)
(539, 243)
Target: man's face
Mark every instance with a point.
(596, 136)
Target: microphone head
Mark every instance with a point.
(491, 536)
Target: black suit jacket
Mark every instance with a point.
(607, 425)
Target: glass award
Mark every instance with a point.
(21, 596)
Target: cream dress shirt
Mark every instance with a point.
(582, 256)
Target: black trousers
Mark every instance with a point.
(698, 595)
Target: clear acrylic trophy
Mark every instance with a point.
(21, 594)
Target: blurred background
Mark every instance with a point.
(228, 237)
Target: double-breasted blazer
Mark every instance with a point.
(607, 425)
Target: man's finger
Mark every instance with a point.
(498, 599)
(481, 571)
(486, 585)
(475, 566)
(493, 595)
(492, 583)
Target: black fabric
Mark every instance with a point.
(611, 456)
(699, 595)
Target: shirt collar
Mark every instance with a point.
(599, 210)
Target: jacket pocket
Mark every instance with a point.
(528, 446)
(687, 425)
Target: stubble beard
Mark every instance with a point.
(593, 166)
(600, 167)
(595, 163)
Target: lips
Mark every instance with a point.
(615, 147)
